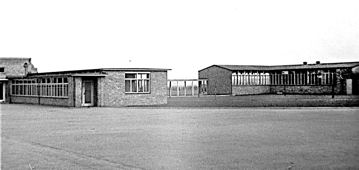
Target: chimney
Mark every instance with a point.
(305, 63)
(317, 62)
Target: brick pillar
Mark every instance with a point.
(349, 86)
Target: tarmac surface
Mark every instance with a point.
(43, 137)
(265, 101)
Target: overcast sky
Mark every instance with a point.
(185, 35)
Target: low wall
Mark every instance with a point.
(274, 89)
(42, 100)
(302, 89)
(24, 99)
(243, 90)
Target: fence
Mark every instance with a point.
(186, 87)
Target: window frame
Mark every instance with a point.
(41, 87)
(137, 80)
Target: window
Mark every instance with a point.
(250, 78)
(2, 69)
(137, 82)
(44, 87)
(24, 87)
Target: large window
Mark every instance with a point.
(250, 78)
(44, 87)
(297, 78)
(137, 82)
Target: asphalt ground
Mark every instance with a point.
(265, 101)
(43, 137)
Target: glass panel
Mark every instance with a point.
(130, 75)
(146, 86)
(134, 86)
(66, 90)
(1, 91)
(140, 85)
(88, 92)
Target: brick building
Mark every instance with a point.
(13, 68)
(92, 87)
(20, 83)
(318, 78)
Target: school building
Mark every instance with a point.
(317, 78)
(90, 87)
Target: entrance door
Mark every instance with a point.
(87, 93)
(2, 91)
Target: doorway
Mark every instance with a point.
(2, 91)
(88, 93)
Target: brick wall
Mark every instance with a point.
(219, 80)
(243, 90)
(302, 89)
(113, 90)
(15, 66)
(77, 91)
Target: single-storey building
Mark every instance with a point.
(92, 87)
(318, 78)
(21, 83)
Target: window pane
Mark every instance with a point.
(140, 85)
(127, 86)
(66, 90)
(134, 86)
(130, 75)
(65, 80)
(146, 86)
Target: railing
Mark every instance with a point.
(186, 87)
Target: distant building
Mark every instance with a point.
(318, 78)
(13, 68)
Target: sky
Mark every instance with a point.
(185, 35)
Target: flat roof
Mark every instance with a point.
(287, 67)
(99, 70)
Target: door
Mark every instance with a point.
(2, 91)
(87, 93)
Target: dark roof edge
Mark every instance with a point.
(215, 65)
(99, 70)
(15, 58)
(309, 64)
(269, 66)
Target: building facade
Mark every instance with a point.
(13, 68)
(318, 78)
(93, 87)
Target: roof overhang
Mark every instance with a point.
(88, 75)
(355, 70)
